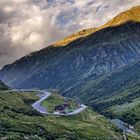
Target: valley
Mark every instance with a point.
(19, 121)
(95, 74)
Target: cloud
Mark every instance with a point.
(29, 25)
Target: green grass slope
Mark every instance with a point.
(19, 121)
(127, 108)
(55, 100)
(125, 100)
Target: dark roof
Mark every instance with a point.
(66, 105)
(61, 107)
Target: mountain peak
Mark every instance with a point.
(67, 40)
(130, 15)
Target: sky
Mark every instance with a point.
(30, 25)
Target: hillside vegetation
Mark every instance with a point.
(19, 121)
(114, 95)
(54, 100)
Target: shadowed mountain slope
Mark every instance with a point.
(90, 57)
(3, 86)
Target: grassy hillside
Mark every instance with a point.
(19, 121)
(115, 94)
(95, 91)
(127, 106)
(55, 100)
(125, 100)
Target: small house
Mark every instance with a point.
(62, 108)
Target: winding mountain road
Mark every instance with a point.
(44, 95)
(37, 105)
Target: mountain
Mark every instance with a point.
(129, 15)
(115, 95)
(73, 37)
(81, 66)
(88, 58)
(99, 67)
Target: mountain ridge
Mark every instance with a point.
(127, 16)
(97, 48)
